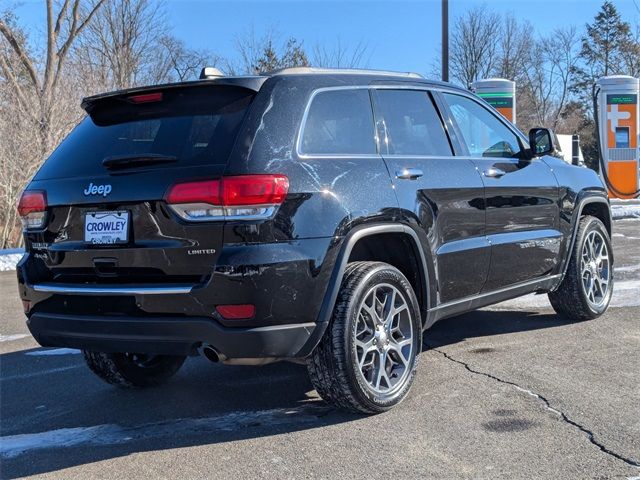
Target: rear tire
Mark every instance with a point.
(133, 370)
(585, 291)
(366, 362)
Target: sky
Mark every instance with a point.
(398, 35)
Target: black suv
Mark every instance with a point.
(321, 216)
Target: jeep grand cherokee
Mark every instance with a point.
(310, 215)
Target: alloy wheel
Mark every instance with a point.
(384, 337)
(595, 268)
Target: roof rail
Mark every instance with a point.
(350, 71)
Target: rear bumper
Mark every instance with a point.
(168, 335)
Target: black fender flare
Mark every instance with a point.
(584, 198)
(340, 265)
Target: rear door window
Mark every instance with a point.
(339, 122)
(196, 125)
(412, 124)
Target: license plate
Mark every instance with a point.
(106, 228)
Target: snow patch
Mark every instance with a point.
(110, 434)
(11, 338)
(619, 211)
(37, 374)
(625, 294)
(628, 268)
(10, 258)
(54, 351)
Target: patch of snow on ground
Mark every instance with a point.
(625, 294)
(10, 258)
(11, 338)
(12, 446)
(625, 210)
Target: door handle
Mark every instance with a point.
(409, 173)
(494, 172)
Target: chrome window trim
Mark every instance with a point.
(303, 125)
(419, 87)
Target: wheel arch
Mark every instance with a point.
(596, 208)
(587, 203)
(371, 243)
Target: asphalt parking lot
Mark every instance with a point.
(512, 391)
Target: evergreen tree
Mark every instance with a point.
(293, 55)
(606, 49)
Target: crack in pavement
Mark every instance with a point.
(562, 415)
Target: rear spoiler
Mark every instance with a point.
(253, 83)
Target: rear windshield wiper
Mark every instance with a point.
(135, 160)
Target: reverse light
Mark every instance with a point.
(32, 209)
(246, 197)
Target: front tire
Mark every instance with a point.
(367, 359)
(585, 291)
(131, 369)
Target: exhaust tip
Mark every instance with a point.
(211, 354)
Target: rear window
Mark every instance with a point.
(339, 122)
(196, 125)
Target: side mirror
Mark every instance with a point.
(541, 141)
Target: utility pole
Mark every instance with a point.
(445, 40)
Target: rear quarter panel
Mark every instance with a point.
(328, 197)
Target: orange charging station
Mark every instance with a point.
(500, 93)
(618, 128)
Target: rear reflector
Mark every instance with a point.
(236, 312)
(241, 197)
(146, 98)
(32, 208)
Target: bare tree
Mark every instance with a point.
(177, 63)
(35, 92)
(121, 44)
(26, 82)
(250, 48)
(546, 81)
(515, 42)
(266, 53)
(474, 44)
(341, 56)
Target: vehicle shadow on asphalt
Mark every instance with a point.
(485, 323)
(204, 404)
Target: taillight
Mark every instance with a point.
(245, 197)
(32, 208)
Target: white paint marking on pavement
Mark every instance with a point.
(110, 434)
(37, 374)
(54, 351)
(15, 336)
